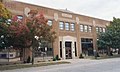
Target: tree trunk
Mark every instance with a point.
(52, 50)
(118, 51)
(109, 52)
(32, 56)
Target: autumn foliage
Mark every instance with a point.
(4, 13)
(23, 34)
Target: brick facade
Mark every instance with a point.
(65, 36)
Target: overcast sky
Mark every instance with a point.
(103, 9)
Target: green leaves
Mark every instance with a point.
(111, 37)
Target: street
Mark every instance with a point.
(78, 65)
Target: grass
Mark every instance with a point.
(19, 66)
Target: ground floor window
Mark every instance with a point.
(45, 49)
(87, 46)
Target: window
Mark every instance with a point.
(66, 26)
(85, 28)
(61, 25)
(97, 29)
(100, 29)
(81, 28)
(90, 28)
(72, 26)
(103, 29)
(49, 22)
(19, 18)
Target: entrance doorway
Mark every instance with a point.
(68, 50)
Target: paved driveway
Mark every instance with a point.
(78, 65)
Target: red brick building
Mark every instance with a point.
(76, 33)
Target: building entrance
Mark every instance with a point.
(68, 50)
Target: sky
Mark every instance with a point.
(103, 9)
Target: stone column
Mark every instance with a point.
(73, 50)
(78, 41)
(94, 36)
(63, 50)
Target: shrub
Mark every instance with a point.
(81, 56)
(57, 57)
(54, 59)
(28, 59)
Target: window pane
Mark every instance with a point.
(19, 18)
(97, 29)
(49, 22)
(81, 28)
(66, 26)
(86, 28)
(61, 25)
(100, 29)
(72, 27)
(103, 29)
(90, 28)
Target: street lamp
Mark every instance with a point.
(36, 38)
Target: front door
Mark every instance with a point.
(68, 53)
(68, 50)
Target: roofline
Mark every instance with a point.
(61, 11)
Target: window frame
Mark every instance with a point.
(81, 28)
(97, 29)
(67, 26)
(50, 22)
(85, 28)
(89, 28)
(100, 29)
(61, 25)
(72, 26)
(104, 29)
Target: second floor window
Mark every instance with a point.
(100, 29)
(19, 18)
(67, 26)
(72, 26)
(81, 28)
(103, 29)
(85, 28)
(90, 28)
(97, 29)
(61, 25)
(50, 22)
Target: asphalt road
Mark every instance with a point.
(78, 65)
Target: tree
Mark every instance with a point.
(24, 35)
(4, 16)
(111, 38)
(38, 27)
